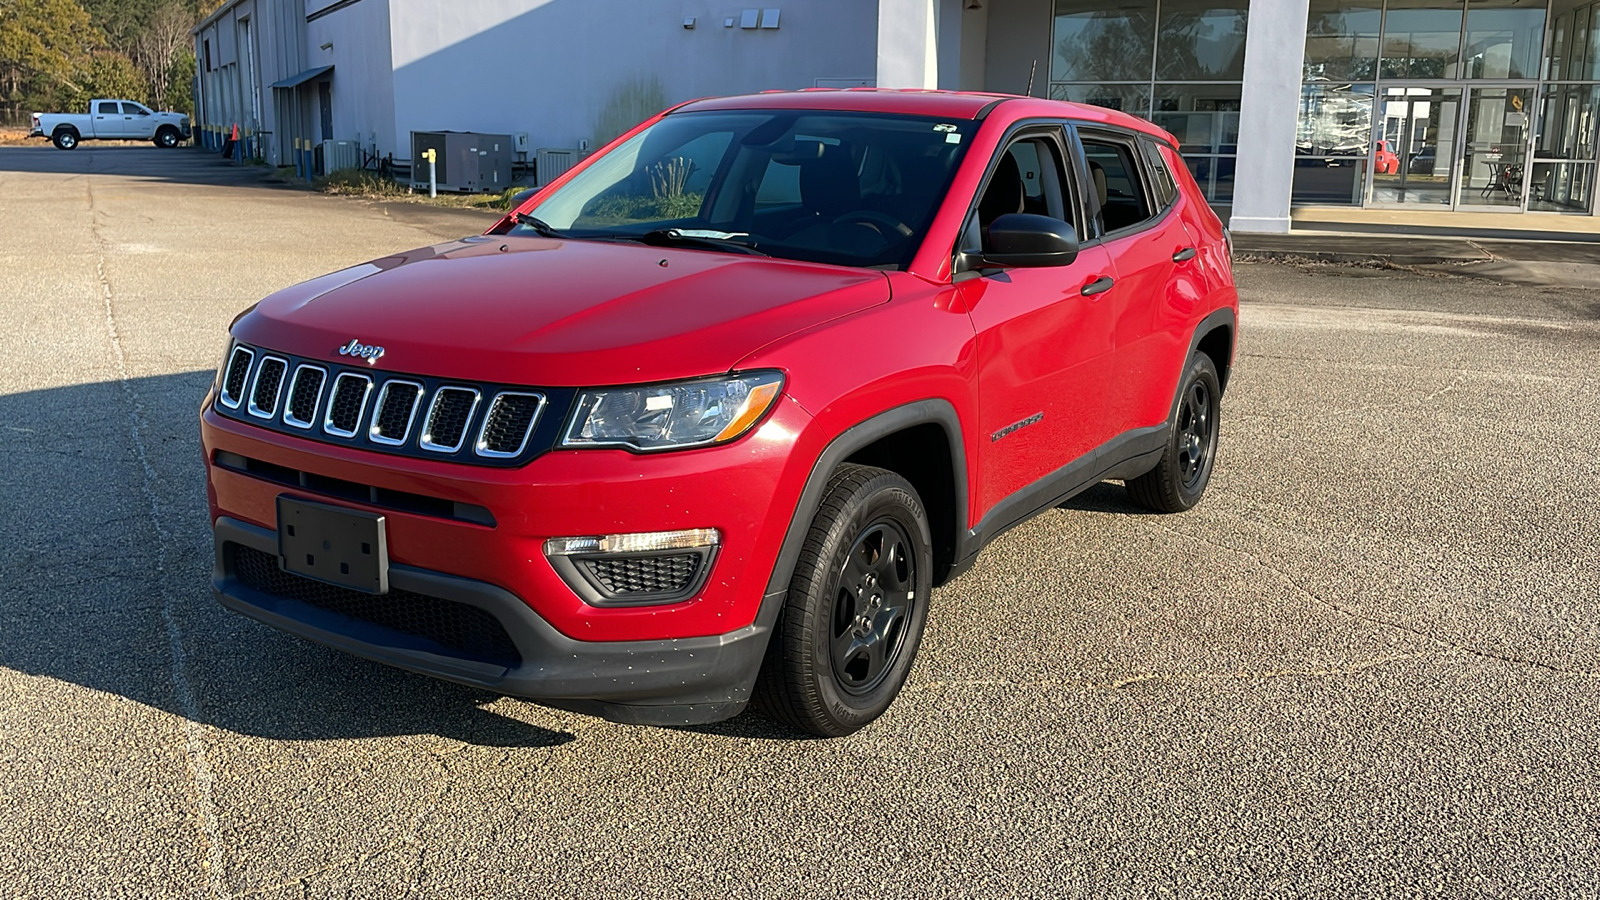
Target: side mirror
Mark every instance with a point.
(1024, 240)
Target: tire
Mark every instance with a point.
(856, 607)
(1179, 480)
(167, 137)
(65, 139)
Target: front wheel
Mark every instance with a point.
(65, 139)
(1180, 478)
(856, 608)
(167, 138)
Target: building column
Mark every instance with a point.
(908, 43)
(1269, 114)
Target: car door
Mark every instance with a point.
(1148, 245)
(107, 119)
(137, 122)
(1044, 335)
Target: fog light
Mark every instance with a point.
(643, 542)
(638, 569)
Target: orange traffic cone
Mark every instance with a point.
(235, 131)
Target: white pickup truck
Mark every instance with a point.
(112, 120)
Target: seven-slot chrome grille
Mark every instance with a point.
(411, 415)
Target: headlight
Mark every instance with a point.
(672, 416)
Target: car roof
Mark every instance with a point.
(917, 102)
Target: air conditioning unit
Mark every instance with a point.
(464, 161)
(552, 164)
(340, 155)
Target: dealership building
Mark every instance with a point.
(1486, 109)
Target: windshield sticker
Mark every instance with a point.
(944, 127)
(952, 138)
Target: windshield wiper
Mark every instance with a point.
(678, 237)
(540, 226)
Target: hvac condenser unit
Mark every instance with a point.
(552, 164)
(339, 155)
(466, 161)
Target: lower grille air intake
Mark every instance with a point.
(625, 575)
(466, 631)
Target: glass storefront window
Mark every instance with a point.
(1342, 41)
(1335, 120)
(1558, 46)
(1328, 182)
(1567, 122)
(1103, 41)
(1561, 187)
(1130, 98)
(1421, 39)
(1503, 40)
(1203, 117)
(1201, 40)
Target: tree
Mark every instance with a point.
(155, 47)
(45, 50)
(111, 74)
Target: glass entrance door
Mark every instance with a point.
(1495, 148)
(1416, 166)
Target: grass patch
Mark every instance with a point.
(373, 186)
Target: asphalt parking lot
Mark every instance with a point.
(1367, 665)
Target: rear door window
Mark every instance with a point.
(1117, 181)
(107, 109)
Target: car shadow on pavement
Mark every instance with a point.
(1106, 497)
(105, 582)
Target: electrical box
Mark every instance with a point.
(520, 142)
(339, 155)
(467, 162)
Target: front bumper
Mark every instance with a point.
(651, 682)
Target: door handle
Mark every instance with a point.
(1184, 255)
(1098, 286)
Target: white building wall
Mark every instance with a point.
(363, 73)
(568, 71)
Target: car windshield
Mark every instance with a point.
(846, 188)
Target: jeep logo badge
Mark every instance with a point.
(361, 351)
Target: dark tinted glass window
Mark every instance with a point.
(847, 188)
(1160, 178)
(1117, 182)
(134, 109)
(108, 109)
(1201, 40)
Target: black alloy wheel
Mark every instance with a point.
(1197, 433)
(1179, 480)
(874, 594)
(856, 606)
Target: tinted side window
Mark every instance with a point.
(1028, 178)
(107, 109)
(134, 109)
(1117, 182)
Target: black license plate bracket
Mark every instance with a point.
(344, 547)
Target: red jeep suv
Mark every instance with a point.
(707, 419)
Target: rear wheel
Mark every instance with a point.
(856, 607)
(1179, 480)
(65, 139)
(167, 137)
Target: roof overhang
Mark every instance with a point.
(303, 77)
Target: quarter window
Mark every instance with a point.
(1160, 177)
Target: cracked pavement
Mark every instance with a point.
(1367, 665)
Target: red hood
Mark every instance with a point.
(558, 313)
